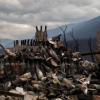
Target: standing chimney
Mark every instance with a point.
(41, 28)
(45, 28)
(36, 29)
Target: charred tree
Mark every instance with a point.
(76, 48)
(90, 48)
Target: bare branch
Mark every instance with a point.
(64, 32)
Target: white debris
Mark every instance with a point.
(20, 90)
(30, 97)
(58, 99)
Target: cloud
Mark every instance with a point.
(80, 2)
(15, 31)
(19, 17)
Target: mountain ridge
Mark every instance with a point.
(81, 30)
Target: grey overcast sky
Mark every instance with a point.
(19, 17)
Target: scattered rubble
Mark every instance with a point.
(46, 72)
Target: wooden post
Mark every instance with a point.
(98, 46)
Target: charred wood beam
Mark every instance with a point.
(11, 94)
(90, 53)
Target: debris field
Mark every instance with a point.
(43, 69)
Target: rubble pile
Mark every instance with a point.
(48, 72)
